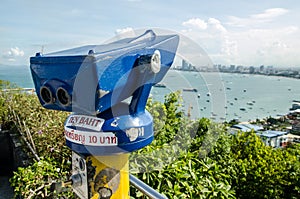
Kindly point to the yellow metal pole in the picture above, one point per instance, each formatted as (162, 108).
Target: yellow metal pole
(111, 177)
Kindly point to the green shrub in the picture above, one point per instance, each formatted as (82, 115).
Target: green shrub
(261, 171)
(187, 159)
(35, 181)
(172, 165)
(3, 101)
(43, 130)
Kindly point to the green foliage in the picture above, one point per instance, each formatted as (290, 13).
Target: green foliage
(187, 159)
(291, 175)
(168, 118)
(158, 112)
(261, 171)
(173, 164)
(4, 84)
(215, 164)
(43, 130)
(45, 126)
(35, 181)
(3, 108)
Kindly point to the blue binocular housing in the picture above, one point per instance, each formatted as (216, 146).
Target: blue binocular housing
(96, 80)
(93, 78)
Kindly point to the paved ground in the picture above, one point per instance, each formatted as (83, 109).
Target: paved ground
(6, 192)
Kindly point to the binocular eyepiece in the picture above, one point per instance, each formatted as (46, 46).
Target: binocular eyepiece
(62, 96)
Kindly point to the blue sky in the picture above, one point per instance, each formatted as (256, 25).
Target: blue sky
(257, 32)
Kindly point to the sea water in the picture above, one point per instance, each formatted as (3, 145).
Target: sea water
(219, 96)
(19, 75)
(227, 96)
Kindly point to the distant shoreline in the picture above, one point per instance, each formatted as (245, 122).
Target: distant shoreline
(295, 74)
(268, 75)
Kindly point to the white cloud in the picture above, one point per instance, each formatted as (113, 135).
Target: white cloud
(216, 24)
(211, 26)
(271, 13)
(267, 15)
(254, 44)
(16, 52)
(229, 47)
(123, 33)
(13, 53)
(272, 46)
(124, 30)
(290, 29)
(195, 23)
(211, 35)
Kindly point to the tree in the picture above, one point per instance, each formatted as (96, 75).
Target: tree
(261, 171)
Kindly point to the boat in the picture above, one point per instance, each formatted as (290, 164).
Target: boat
(190, 89)
(295, 105)
(242, 109)
(213, 114)
(160, 85)
(250, 103)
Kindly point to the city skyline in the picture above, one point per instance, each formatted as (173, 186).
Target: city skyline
(231, 32)
(293, 72)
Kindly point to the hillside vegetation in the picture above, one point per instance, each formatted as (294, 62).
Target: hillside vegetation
(187, 159)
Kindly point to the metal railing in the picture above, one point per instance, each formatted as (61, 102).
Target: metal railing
(144, 188)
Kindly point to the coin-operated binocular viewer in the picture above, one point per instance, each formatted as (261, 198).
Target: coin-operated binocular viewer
(106, 88)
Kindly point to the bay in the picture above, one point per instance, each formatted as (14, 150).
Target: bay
(235, 96)
(219, 96)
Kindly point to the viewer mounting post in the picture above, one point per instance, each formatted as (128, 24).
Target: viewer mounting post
(106, 88)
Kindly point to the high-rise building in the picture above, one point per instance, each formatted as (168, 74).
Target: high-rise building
(185, 65)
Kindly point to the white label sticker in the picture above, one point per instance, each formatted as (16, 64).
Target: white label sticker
(88, 122)
(91, 138)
